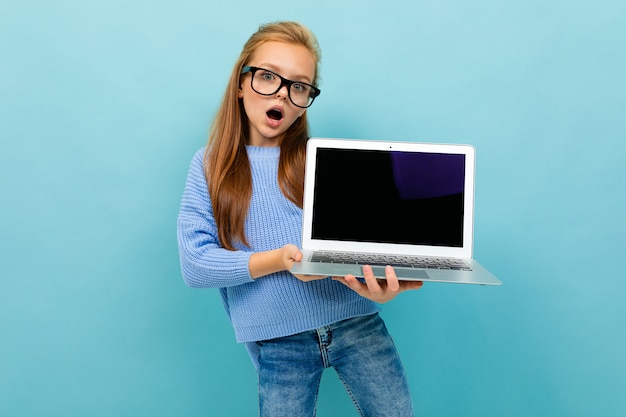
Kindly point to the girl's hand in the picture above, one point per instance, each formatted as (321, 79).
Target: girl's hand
(268, 262)
(281, 259)
(292, 254)
(289, 254)
(379, 290)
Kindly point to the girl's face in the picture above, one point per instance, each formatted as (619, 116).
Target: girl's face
(270, 116)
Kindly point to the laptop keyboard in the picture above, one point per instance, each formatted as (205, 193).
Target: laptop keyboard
(393, 260)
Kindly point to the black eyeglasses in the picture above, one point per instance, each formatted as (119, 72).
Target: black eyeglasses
(266, 83)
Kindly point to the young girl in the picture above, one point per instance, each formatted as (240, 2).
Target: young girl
(239, 230)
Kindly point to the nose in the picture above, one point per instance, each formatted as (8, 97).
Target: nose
(283, 91)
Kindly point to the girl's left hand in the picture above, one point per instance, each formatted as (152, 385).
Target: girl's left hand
(379, 290)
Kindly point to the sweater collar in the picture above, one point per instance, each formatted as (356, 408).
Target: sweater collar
(259, 152)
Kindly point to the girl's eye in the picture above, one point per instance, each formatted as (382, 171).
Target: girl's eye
(268, 76)
(300, 88)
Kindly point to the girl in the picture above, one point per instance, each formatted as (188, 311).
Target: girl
(239, 230)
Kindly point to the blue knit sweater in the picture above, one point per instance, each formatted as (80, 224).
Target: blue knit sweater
(272, 306)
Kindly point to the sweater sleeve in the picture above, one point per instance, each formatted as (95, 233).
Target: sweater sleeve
(204, 263)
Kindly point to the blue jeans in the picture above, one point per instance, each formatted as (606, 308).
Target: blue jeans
(361, 352)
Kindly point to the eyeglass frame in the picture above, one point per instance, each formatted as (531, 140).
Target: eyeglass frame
(283, 81)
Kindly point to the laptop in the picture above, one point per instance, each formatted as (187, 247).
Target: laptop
(405, 204)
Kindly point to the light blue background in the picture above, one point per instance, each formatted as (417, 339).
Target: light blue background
(102, 105)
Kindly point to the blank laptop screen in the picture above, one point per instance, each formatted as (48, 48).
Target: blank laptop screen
(413, 198)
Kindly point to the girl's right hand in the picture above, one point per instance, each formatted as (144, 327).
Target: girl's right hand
(291, 255)
(281, 259)
(268, 262)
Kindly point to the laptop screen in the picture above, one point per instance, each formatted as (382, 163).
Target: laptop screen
(399, 197)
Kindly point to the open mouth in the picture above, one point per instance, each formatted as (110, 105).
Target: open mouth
(275, 114)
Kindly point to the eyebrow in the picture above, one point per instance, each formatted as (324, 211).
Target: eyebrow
(273, 68)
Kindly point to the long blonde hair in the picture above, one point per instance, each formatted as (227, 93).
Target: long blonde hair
(226, 164)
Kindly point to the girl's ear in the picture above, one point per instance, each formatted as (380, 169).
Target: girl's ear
(240, 92)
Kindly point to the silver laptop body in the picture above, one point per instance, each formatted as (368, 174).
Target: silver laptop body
(405, 204)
